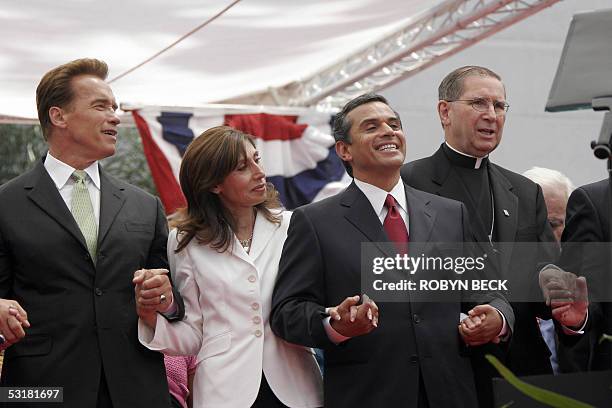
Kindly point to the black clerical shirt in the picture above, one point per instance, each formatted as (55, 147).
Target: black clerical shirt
(474, 175)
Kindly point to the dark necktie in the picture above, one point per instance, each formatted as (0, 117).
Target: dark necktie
(394, 226)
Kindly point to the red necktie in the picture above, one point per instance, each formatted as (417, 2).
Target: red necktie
(394, 226)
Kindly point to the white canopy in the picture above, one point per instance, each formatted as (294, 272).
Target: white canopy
(264, 43)
(256, 44)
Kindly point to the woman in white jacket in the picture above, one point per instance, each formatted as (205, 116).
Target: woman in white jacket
(224, 258)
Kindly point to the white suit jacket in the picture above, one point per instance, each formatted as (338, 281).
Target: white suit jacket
(227, 307)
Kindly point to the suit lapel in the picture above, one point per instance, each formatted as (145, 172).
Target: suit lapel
(43, 192)
(451, 186)
(506, 211)
(447, 181)
(440, 173)
(112, 198)
(360, 213)
(421, 217)
(263, 232)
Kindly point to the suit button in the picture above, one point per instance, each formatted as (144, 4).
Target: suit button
(255, 306)
(416, 318)
(414, 359)
(257, 320)
(98, 292)
(258, 333)
(86, 256)
(252, 278)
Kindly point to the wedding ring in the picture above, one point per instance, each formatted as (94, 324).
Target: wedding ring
(2, 339)
(162, 298)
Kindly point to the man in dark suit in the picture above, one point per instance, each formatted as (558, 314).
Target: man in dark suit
(586, 251)
(504, 207)
(393, 353)
(71, 237)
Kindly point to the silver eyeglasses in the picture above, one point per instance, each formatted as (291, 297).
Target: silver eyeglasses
(483, 104)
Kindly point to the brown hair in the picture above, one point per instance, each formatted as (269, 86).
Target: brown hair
(451, 87)
(55, 87)
(208, 160)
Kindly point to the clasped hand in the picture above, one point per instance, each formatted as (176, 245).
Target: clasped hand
(13, 320)
(482, 325)
(566, 294)
(351, 319)
(153, 293)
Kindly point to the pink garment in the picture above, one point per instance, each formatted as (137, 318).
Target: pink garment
(178, 369)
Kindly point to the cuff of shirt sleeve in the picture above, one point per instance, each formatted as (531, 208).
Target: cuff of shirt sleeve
(504, 333)
(172, 310)
(147, 335)
(573, 332)
(332, 334)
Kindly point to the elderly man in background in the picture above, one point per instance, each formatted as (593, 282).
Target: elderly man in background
(556, 188)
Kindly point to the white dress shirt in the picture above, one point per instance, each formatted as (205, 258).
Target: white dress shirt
(376, 196)
(61, 174)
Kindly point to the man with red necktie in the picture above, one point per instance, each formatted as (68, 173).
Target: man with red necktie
(385, 354)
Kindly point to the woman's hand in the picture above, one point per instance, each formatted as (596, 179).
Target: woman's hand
(153, 293)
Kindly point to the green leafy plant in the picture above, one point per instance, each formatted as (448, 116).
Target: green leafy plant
(542, 395)
(605, 337)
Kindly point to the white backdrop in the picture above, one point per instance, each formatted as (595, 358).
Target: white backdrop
(254, 45)
(268, 42)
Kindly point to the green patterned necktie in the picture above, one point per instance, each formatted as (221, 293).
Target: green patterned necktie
(83, 213)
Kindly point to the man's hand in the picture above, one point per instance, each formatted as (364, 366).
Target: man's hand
(482, 326)
(571, 310)
(153, 293)
(13, 320)
(350, 319)
(566, 294)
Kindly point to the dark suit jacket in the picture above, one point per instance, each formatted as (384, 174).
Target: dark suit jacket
(83, 315)
(526, 221)
(586, 251)
(321, 266)
(520, 216)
